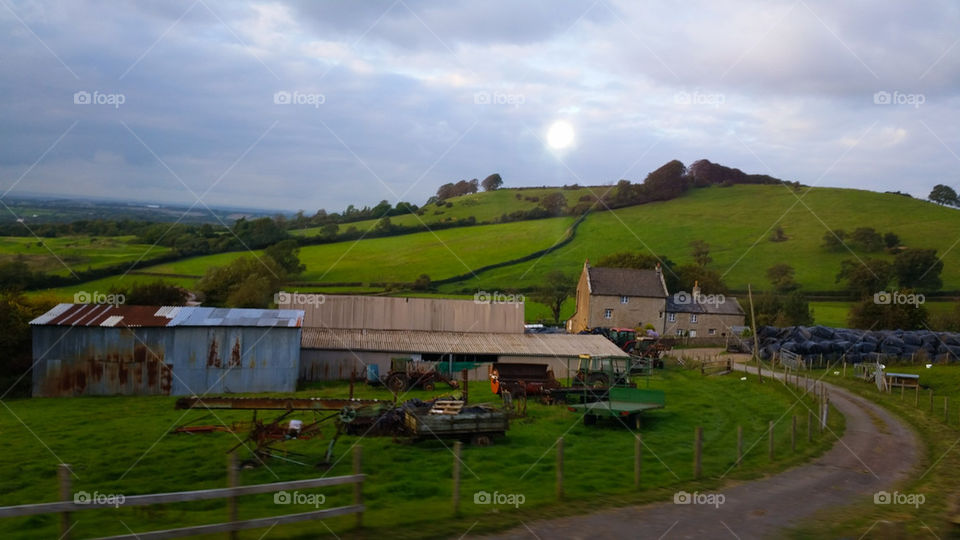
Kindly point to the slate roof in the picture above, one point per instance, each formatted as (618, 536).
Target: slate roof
(729, 306)
(626, 282)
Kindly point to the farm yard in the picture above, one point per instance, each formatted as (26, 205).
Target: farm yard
(122, 445)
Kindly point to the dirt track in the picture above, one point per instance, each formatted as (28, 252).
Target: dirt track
(876, 451)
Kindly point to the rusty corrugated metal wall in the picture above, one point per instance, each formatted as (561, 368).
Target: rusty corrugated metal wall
(391, 313)
(73, 361)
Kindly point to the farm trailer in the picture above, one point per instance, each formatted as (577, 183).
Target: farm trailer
(623, 403)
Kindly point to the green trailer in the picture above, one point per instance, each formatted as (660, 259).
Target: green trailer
(624, 403)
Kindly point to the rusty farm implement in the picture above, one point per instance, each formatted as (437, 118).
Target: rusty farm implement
(269, 436)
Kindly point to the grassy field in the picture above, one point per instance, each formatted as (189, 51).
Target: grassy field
(935, 478)
(835, 313)
(440, 254)
(61, 255)
(485, 207)
(120, 445)
(736, 222)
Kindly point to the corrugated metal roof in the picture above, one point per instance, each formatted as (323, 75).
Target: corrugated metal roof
(156, 316)
(413, 341)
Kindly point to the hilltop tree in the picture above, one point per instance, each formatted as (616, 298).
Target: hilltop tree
(554, 203)
(891, 240)
(492, 182)
(701, 252)
(867, 239)
(918, 269)
(667, 182)
(865, 277)
(287, 255)
(709, 280)
(643, 261)
(245, 282)
(944, 195)
(781, 277)
(833, 240)
(556, 287)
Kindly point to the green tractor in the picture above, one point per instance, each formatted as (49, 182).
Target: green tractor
(603, 372)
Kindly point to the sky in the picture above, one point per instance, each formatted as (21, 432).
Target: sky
(300, 105)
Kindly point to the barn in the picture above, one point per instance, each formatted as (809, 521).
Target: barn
(343, 334)
(97, 349)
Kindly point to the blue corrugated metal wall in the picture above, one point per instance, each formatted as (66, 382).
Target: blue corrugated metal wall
(71, 361)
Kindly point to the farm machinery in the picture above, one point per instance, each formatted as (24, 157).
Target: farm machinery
(602, 372)
(646, 351)
(522, 379)
(405, 373)
(269, 436)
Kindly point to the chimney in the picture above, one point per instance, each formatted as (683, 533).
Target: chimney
(658, 268)
(696, 291)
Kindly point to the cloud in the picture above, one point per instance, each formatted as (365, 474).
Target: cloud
(415, 94)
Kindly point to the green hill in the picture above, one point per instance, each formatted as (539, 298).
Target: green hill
(485, 207)
(736, 222)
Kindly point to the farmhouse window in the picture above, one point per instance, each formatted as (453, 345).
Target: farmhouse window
(608, 314)
(679, 331)
(712, 331)
(624, 299)
(693, 317)
(672, 317)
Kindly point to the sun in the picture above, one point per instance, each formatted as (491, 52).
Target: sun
(560, 135)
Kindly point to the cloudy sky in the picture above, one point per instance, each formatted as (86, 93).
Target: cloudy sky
(308, 104)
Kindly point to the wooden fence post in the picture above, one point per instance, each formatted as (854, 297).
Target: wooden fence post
(637, 460)
(456, 477)
(232, 501)
(809, 426)
(358, 487)
(63, 474)
(770, 437)
(560, 468)
(739, 445)
(465, 385)
(793, 434)
(697, 448)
